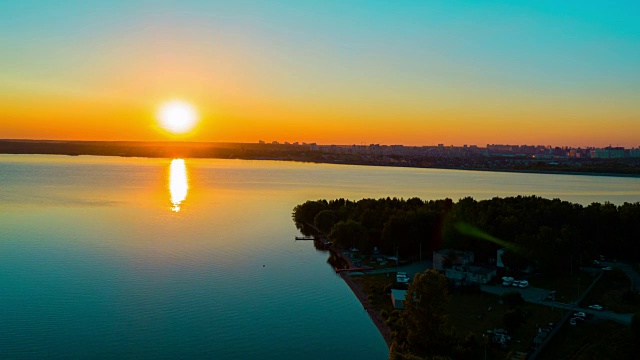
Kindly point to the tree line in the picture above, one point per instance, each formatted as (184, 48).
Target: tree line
(547, 234)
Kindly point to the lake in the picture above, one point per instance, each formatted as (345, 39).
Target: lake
(170, 258)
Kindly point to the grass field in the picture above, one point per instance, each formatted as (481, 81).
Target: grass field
(469, 312)
(375, 286)
(568, 288)
(613, 291)
(589, 340)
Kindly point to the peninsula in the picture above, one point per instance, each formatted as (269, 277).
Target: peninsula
(518, 274)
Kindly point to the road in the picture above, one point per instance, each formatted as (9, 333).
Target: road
(536, 296)
(531, 294)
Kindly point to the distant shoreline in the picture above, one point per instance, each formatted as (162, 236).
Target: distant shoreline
(241, 151)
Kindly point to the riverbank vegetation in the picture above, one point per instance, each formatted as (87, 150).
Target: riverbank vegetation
(614, 292)
(467, 313)
(605, 340)
(551, 236)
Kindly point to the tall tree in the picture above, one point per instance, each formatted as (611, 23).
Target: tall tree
(424, 326)
(350, 233)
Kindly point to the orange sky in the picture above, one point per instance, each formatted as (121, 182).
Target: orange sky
(413, 75)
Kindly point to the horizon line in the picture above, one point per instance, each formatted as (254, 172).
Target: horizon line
(300, 143)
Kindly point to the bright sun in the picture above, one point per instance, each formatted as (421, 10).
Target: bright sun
(177, 116)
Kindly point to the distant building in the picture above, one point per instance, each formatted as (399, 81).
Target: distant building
(499, 257)
(608, 153)
(470, 274)
(451, 257)
(397, 298)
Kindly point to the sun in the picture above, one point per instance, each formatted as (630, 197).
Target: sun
(177, 117)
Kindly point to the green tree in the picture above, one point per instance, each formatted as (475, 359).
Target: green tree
(304, 215)
(349, 233)
(325, 220)
(424, 326)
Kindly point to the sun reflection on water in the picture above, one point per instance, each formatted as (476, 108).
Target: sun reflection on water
(178, 184)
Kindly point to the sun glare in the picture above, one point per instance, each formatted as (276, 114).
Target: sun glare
(177, 116)
(178, 183)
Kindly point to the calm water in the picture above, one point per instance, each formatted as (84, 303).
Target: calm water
(154, 258)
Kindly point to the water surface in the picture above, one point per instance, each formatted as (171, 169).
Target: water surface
(160, 258)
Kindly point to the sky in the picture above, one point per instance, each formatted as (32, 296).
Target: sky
(332, 72)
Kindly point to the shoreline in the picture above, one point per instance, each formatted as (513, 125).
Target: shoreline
(374, 315)
(515, 171)
(293, 153)
(360, 294)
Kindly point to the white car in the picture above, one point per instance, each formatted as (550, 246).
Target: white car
(515, 283)
(580, 314)
(595, 307)
(523, 284)
(402, 278)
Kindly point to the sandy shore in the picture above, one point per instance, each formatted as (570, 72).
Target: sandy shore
(373, 313)
(362, 296)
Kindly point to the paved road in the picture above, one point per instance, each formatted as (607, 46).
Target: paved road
(530, 294)
(536, 296)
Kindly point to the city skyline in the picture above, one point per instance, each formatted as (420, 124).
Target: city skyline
(415, 74)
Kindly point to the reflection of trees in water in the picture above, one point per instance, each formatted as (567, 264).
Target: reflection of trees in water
(305, 229)
(336, 261)
(320, 246)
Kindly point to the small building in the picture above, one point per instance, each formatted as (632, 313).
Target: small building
(397, 298)
(499, 258)
(449, 257)
(470, 274)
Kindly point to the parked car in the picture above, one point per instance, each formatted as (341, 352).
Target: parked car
(573, 321)
(595, 307)
(515, 283)
(523, 283)
(607, 268)
(579, 314)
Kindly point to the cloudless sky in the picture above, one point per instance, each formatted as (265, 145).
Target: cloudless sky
(390, 72)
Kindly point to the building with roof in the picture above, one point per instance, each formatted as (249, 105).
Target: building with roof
(470, 274)
(448, 257)
(397, 298)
